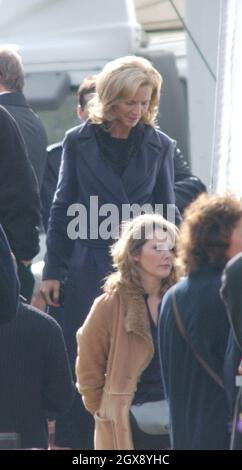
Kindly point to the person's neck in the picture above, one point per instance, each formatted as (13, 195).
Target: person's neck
(3, 90)
(119, 131)
(151, 287)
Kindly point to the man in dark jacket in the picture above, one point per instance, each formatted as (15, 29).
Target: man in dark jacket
(7, 277)
(231, 293)
(52, 166)
(19, 200)
(13, 99)
(34, 369)
(187, 186)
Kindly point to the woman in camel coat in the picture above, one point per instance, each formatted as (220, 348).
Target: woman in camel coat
(117, 363)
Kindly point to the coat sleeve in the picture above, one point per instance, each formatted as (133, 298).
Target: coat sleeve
(9, 286)
(59, 245)
(19, 194)
(187, 186)
(164, 188)
(231, 363)
(58, 387)
(93, 340)
(49, 181)
(162, 346)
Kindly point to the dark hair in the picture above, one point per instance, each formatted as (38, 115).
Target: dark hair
(87, 87)
(206, 231)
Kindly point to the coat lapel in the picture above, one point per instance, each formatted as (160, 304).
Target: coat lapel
(102, 171)
(138, 172)
(14, 99)
(142, 165)
(136, 319)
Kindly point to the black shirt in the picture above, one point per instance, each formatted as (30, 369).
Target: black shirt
(149, 387)
(118, 152)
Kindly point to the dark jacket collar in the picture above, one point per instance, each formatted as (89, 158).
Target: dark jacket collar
(14, 99)
(86, 131)
(206, 269)
(135, 176)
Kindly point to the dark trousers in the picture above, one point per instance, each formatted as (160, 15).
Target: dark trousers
(26, 279)
(144, 441)
(75, 428)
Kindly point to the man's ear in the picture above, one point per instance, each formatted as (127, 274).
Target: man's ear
(81, 114)
(79, 111)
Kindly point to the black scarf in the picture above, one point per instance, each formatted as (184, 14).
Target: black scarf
(118, 152)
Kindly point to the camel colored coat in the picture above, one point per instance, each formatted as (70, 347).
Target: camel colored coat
(114, 347)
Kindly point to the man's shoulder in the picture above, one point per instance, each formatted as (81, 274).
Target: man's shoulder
(28, 121)
(34, 316)
(5, 116)
(74, 131)
(84, 130)
(54, 152)
(53, 147)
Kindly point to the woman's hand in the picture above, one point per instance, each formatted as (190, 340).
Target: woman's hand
(50, 291)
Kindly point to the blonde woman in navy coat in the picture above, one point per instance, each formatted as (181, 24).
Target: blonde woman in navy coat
(116, 159)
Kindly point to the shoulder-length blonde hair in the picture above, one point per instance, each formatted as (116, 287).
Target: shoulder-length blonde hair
(206, 231)
(120, 80)
(134, 235)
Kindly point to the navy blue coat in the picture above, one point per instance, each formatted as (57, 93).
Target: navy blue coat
(49, 181)
(148, 178)
(19, 196)
(231, 293)
(34, 369)
(31, 127)
(187, 186)
(198, 405)
(9, 284)
(35, 375)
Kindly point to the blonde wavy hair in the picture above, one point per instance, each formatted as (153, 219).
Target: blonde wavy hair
(134, 235)
(206, 231)
(120, 80)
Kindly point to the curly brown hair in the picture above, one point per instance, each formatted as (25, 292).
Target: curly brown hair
(206, 231)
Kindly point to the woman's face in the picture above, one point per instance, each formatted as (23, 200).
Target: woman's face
(129, 112)
(235, 245)
(155, 259)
